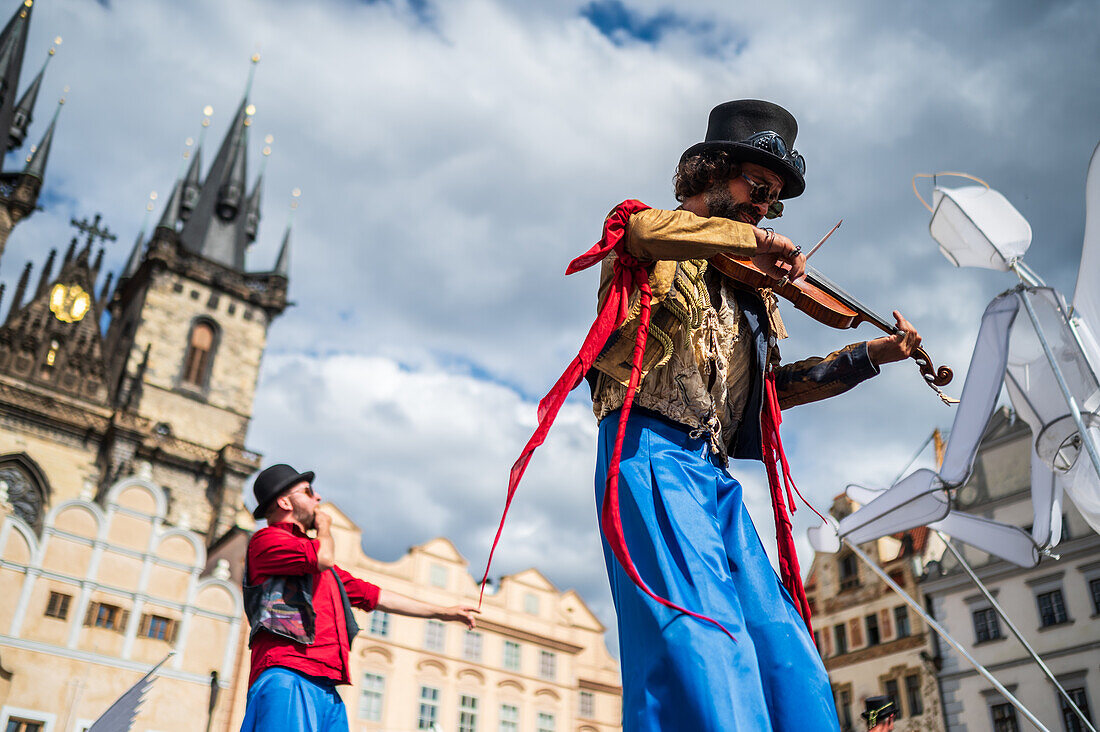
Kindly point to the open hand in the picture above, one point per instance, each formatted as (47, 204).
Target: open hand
(897, 347)
(460, 613)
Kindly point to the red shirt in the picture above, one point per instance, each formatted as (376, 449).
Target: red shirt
(284, 549)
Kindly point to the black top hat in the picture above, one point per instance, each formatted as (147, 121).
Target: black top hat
(272, 481)
(878, 708)
(757, 132)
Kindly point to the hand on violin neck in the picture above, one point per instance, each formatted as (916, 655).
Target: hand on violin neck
(777, 256)
(897, 347)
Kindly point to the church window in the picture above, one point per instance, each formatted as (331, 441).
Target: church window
(177, 287)
(200, 354)
(212, 301)
(23, 486)
(231, 308)
(58, 605)
(248, 314)
(194, 294)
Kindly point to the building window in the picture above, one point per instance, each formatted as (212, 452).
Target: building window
(200, 354)
(1004, 718)
(1052, 608)
(531, 603)
(58, 606)
(428, 713)
(986, 625)
(467, 713)
(901, 621)
(588, 705)
(873, 638)
(380, 623)
(548, 665)
(509, 718)
(912, 695)
(437, 575)
(511, 655)
(545, 722)
(471, 645)
(843, 700)
(434, 635)
(102, 615)
(1070, 719)
(370, 699)
(1094, 592)
(849, 572)
(18, 724)
(157, 627)
(890, 689)
(840, 635)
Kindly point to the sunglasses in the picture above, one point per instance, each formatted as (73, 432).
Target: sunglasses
(308, 490)
(761, 193)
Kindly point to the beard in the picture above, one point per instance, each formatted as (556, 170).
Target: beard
(719, 202)
(305, 518)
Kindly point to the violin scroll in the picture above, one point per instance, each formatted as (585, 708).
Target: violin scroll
(936, 377)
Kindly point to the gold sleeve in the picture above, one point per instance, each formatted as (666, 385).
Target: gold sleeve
(655, 234)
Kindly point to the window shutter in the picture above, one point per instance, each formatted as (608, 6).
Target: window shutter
(123, 620)
(173, 631)
(89, 617)
(143, 629)
(886, 624)
(855, 631)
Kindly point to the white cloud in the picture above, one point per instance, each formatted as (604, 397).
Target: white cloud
(451, 169)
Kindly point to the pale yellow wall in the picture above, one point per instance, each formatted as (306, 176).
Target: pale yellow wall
(126, 556)
(66, 466)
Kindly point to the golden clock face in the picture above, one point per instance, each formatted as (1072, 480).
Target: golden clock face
(69, 303)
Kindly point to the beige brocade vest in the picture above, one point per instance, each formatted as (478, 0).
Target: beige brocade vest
(697, 369)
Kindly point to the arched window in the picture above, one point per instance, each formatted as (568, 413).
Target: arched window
(24, 487)
(200, 354)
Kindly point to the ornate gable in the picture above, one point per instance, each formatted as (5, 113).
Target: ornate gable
(54, 340)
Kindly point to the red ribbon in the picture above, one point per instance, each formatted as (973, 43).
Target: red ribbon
(628, 274)
(775, 459)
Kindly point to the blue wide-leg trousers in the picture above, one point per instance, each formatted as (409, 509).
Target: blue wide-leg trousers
(693, 543)
(283, 700)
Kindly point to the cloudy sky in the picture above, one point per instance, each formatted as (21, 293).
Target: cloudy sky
(454, 156)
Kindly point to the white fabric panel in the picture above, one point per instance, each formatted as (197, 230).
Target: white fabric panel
(1001, 540)
(1046, 503)
(983, 385)
(916, 500)
(1039, 400)
(977, 227)
(823, 537)
(862, 494)
(1086, 297)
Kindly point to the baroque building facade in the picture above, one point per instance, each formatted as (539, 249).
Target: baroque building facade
(1055, 605)
(871, 642)
(537, 661)
(123, 452)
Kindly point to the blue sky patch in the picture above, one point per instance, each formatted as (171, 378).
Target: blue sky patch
(623, 25)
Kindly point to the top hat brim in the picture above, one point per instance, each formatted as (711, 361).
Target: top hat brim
(261, 509)
(793, 181)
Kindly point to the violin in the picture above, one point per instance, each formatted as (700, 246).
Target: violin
(825, 302)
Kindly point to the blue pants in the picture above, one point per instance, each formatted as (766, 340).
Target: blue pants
(283, 700)
(693, 543)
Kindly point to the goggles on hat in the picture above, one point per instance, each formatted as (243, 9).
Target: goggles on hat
(771, 142)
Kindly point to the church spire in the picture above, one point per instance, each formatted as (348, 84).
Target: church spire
(13, 45)
(171, 215)
(36, 161)
(20, 289)
(23, 114)
(282, 264)
(192, 185)
(216, 227)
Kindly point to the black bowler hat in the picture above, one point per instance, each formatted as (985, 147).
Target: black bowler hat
(878, 708)
(757, 132)
(271, 482)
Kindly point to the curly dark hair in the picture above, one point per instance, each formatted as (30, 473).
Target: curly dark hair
(699, 172)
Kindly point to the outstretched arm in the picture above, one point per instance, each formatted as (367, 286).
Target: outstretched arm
(394, 602)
